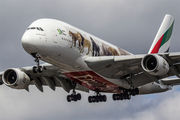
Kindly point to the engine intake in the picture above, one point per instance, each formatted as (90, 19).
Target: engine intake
(15, 78)
(155, 65)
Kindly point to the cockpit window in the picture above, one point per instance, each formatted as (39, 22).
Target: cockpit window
(41, 29)
(37, 28)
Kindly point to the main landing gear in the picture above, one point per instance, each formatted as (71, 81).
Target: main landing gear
(97, 98)
(126, 95)
(37, 68)
(74, 97)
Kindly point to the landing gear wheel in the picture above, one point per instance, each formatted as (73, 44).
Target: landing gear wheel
(114, 97)
(100, 98)
(90, 99)
(97, 98)
(136, 91)
(78, 96)
(129, 97)
(35, 69)
(121, 96)
(74, 97)
(104, 98)
(40, 69)
(69, 98)
(118, 96)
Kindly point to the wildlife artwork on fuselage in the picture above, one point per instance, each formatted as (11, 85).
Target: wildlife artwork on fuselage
(93, 46)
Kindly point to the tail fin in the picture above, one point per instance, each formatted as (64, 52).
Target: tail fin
(162, 40)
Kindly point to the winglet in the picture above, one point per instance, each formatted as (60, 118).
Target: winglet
(162, 40)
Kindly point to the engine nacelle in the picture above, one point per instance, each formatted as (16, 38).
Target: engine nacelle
(155, 65)
(15, 78)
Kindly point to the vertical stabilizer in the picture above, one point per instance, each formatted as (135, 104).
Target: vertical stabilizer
(162, 40)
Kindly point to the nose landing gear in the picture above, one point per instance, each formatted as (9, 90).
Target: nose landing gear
(37, 68)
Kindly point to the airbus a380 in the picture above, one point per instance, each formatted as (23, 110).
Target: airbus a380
(76, 60)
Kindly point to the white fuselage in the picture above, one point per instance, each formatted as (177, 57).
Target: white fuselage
(65, 46)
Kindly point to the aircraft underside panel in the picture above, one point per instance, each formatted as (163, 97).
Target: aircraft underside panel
(93, 81)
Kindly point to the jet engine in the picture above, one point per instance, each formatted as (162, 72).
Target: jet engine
(155, 65)
(15, 78)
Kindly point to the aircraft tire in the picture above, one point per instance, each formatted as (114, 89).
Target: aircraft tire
(74, 98)
(69, 98)
(114, 97)
(40, 69)
(97, 98)
(104, 98)
(90, 99)
(78, 96)
(35, 69)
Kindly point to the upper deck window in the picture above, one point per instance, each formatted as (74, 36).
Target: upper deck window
(37, 28)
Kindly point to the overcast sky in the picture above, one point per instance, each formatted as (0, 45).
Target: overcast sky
(129, 24)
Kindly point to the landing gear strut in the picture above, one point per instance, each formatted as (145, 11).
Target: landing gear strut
(97, 98)
(74, 97)
(37, 68)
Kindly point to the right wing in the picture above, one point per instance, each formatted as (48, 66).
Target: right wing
(116, 67)
(51, 76)
(171, 81)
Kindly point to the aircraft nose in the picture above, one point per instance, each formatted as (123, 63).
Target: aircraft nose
(28, 41)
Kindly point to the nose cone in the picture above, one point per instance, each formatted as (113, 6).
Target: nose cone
(28, 41)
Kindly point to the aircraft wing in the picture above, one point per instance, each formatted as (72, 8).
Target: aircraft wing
(51, 76)
(171, 81)
(119, 67)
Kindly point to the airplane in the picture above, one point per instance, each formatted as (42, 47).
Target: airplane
(76, 60)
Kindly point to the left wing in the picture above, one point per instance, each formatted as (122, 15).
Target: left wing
(51, 76)
(137, 66)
